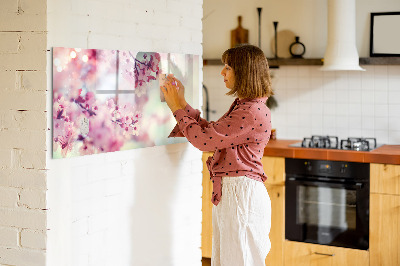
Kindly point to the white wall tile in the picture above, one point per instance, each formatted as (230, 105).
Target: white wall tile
(342, 122)
(328, 74)
(291, 71)
(367, 83)
(292, 82)
(382, 136)
(354, 80)
(367, 99)
(394, 136)
(368, 122)
(304, 82)
(355, 109)
(316, 83)
(342, 80)
(315, 72)
(394, 123)
(381, 110)
(394, 97)
(367, 96)
(367, 110)
(381, 97)
(329, 109)
(380, 84)
(394, 82)
(342, 133)
(394, 110)
(342, 96)
(304, 72)
(329, 122)
(355, 96)
(355, 132)
(380, 71)
(381, 123)
(367, 133)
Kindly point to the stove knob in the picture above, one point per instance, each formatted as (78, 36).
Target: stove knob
(308, 166)
(343, 168)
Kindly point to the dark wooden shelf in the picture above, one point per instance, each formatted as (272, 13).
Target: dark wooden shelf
(295, 62)
(273, 63)
(380, 61)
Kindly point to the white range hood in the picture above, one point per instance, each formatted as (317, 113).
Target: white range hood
(341, 51)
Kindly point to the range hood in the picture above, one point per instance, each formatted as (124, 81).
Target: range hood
(341, 51)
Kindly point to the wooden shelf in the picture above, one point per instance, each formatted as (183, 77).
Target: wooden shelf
(380, 61)
(274, 63)
(295, 62)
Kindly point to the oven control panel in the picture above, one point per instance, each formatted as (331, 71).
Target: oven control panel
(338, 169)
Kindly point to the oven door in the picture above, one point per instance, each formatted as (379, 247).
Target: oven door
(327, 213)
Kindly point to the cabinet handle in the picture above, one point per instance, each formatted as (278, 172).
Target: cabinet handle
(317, 253)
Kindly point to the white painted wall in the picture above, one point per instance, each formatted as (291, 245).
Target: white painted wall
(305, 18)
(23, 133)
(311, 102)
(137, 207)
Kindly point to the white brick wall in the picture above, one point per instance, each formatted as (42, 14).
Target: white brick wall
(137, 207)
(22, 132)
(33, 239)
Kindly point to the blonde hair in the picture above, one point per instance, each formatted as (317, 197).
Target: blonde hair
(250, 66)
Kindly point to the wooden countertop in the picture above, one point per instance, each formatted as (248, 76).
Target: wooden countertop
(389, 154)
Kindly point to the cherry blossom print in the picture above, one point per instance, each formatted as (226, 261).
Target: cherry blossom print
(108, 100)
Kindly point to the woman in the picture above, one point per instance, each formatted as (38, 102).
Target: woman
(241, 214)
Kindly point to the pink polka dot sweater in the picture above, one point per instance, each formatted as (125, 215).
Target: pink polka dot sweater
(238, 139)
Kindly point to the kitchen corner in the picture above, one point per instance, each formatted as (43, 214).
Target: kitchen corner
(382, 213)
(333, 202)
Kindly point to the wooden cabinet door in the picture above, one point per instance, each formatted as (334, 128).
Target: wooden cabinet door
(274, 168)
(384, 236)
(305, 254)
(385, 178)
(277, 233)
(206, 232)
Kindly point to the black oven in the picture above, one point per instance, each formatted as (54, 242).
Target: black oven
(327, 202)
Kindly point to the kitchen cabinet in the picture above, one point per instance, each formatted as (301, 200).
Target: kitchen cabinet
(206, 225)
(385, 178)
(274, 168)
(306, 254)
(384, 247)
(385, 214)
(277, 233)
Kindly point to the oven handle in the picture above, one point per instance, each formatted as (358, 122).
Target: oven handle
(357, 185)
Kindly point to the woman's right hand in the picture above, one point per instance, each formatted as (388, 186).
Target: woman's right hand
(181, 91)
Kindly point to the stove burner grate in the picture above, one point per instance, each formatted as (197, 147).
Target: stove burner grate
(328, 142)
(358, 144)
(332, 142)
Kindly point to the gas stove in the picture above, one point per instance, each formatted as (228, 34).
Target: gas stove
(332, 142)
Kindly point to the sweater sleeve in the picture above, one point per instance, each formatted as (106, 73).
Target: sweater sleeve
(231, 130)
(193, 113)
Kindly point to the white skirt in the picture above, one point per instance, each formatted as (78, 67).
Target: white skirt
(241, 223)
